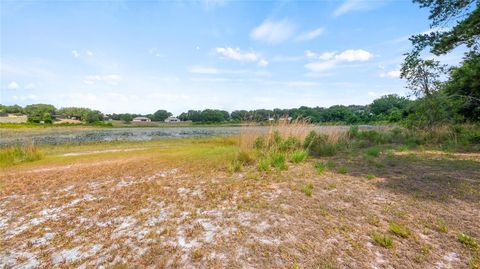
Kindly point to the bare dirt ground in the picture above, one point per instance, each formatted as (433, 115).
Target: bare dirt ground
(138, 211)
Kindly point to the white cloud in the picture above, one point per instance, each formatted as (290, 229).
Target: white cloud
(13, 86)
(75, 53)
(111, 79)
(310, 34)
(354, 55)
(323, 56)
(328, 60)
(89, 53)
(273, 32)
(355, 5)
(390, 74)
(237, 55)
(263, 63)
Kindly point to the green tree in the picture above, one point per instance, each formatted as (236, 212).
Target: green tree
(38, 112)
(464, 87)
(385, 104)
(161, 115)
(127, 118)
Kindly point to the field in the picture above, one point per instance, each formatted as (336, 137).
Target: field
(185, 203)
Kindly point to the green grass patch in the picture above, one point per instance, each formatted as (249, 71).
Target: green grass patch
(442, 226)
(399, 230)
(342, 169)
(19, 154)
(373, 151)
(307, 189)
(277, 161)
(298, 156)
(320, 167)
(370, 176)
(383, 240)
(468, 241)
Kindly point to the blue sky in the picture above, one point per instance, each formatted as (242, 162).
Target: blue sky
(140, 56)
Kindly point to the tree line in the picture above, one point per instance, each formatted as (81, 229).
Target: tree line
(390, 108)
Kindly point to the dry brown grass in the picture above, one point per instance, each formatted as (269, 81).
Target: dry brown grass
(298, 129)
(162, 209)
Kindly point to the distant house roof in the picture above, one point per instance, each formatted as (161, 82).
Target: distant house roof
(141, 119)
(172, 119)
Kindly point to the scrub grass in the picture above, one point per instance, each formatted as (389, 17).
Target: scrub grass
(19, 154)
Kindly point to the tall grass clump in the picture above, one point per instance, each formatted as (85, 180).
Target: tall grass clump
(19, 154)
(325, 144)
(282, 141)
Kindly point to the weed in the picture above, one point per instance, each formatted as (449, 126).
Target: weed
(307, 189)
(331, 186)
(245, 157)
(298, 156)
(373, 151)
(468, 241)
(330, 164)
(442, 226)
(236, 166)
(370, 176)
(383, 240)
(320, 167)
(277, 160)
(342, 170)
(373, 220)
(264, 165)
(399, 229)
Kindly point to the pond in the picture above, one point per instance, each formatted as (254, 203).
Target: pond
(56, 136)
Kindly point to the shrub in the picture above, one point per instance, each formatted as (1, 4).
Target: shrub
(320, 146)
(353, 132)
(399, 230)
(277, 160)
(299, 156)
(289, 144)
(383, 240)
(370, 176)
(19, 154)
(307, 189)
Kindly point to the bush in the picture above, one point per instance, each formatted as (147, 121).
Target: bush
(320, 146)
(299, 156)
(19, 154)
(289, 144)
